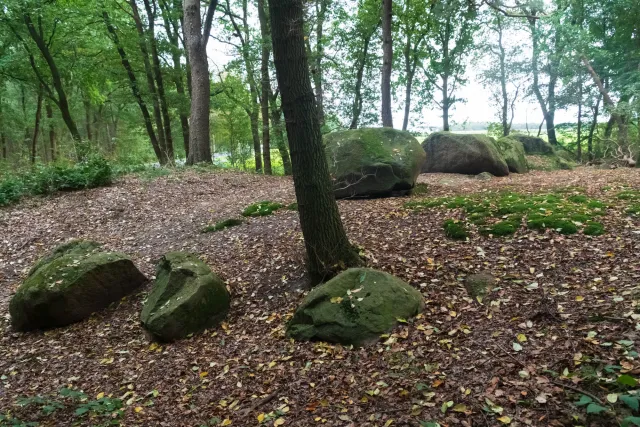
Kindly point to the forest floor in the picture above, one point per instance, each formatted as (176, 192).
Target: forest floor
(562, 322)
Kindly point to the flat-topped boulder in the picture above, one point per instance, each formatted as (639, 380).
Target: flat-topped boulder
(373, 162)
(533, 144)
(70, 283)
(187, 297)
(355, 307)
(467, 154)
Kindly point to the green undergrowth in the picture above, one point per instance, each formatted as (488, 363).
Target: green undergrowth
(221, 225)
(49, 179)
(292, 206)
(263, 208)
(455, 229)
(503, 214)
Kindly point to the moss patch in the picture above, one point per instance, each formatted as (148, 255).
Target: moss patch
(263, 208)
(455, 229)
(503, 214)
(221, 225)
(292, 206)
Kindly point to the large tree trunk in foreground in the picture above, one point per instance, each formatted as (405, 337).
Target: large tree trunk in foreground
(387, 62)
(199, 140)
(328, 248)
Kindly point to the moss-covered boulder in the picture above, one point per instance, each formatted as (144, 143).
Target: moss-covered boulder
(479, 284)
(463, 153)
(187, 297)
(73, 281)
(549, 162)
(355, 307)
(533, 144)
(373, 161)
(513, 153)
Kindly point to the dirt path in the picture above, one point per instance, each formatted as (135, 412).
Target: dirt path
(459, 351)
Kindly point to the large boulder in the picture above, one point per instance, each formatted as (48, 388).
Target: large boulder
(187, 297)
(513, 153)
(373, 161)
(533, 144)
(355, 307)
(70, 283)
(463, 153)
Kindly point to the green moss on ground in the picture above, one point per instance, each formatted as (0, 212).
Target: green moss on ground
(503, 214)
(292, 206)
(634, 210)
(221, 225)
(263, 208)
(455, 230)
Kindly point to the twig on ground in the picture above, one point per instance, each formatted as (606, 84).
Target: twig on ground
(577, 390)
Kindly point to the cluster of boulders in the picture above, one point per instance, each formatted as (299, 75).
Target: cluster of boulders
(374, 162)
(80, 278)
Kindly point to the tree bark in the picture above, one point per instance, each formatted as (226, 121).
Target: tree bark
(265, 84)
(3, 136)
(387, 63)
(356, 110)
(327, 245)
(548, 113)
(133, 84)
(592, 128)
(196, 40)
(61, 101)
(579, 143)
(506, 125)
(321, 12)
(276, 124)
(445, 103)
(36, 126)
(52, 131)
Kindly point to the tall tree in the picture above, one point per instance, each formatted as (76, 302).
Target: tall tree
(265, 84)
(326, 242)
(36, 126)
(196, 37)
(387, 63)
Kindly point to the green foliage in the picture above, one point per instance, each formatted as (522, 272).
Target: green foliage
(221, 225)
(292, 206)
(501, 214)
(44, 179)
(455, 229)
(263, 208)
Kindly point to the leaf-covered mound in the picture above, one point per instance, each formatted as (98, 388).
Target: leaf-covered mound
(355, 307)
(372, 161)
(73, 281)
(187, 297)
(502, 214)
(464, 154)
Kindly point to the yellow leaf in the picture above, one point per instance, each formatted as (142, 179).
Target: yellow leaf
(261, 417)
(579, 298)
(99, 396)
(388, 423)
(460, 408)
(522, 337)
(153, 346)
(278, 422)
(272, 364)
(505, 419)
(138, 409)
(336, 300)
(226, 422)
(204, 374)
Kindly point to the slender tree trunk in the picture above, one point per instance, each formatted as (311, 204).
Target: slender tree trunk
(3, 136)
(548, 113)
(506, 125)
(61, 101)
(157, 73)
(592, 128)
(255, 134)
(52, 131)
(265, 84)
(36, 126)
(410, 63)
(387, 63)
(87, 117)
(321, 12)
(445, 103)
(327, 245)
(279, 135)
(133, 84)
(579, 143)
(356, 110)
(195, 38)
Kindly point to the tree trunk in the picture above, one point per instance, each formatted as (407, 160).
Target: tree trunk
(255, 134)
(279, 135)
(548, 113)
(61, 101)
(133, 84)
(52, 131)
(506, 125)
(327, 245)
(321, 11)
(36, 126)
(265, 84)
(87, 117)
(356, 110)
(409, 69)
(387, 63)
(445, 103)
(199, 139)
(579, 144)
(157, 73)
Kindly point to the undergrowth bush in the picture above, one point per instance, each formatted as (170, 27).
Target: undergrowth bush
(48, 179)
